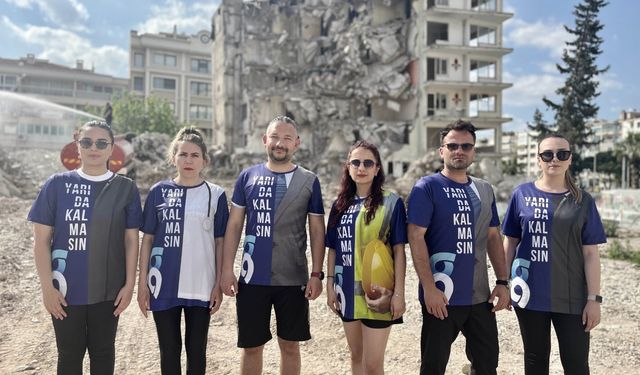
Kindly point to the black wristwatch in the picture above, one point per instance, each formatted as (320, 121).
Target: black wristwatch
(594, 297)
(319, 275)
(502, 282)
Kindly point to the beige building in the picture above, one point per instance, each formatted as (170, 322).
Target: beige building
(175, 67)
(38, 98)
(459, 52)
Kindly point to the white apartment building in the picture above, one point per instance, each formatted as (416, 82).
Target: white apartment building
(459, 51)
(38, 124)
(629, 122)
(527, 152)
(177, 68)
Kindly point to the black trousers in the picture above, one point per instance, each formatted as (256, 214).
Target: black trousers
(170, 339)
(476, 322)
(91, 327)
(573, 341)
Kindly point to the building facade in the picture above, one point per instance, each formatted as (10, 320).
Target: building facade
(177, 68)
(459, 52)
(41, 101)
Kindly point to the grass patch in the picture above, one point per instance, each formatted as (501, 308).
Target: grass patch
(622, 251)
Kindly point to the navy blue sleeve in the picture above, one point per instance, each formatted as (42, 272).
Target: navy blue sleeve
(398, 233)
(495, 219)
(332, 235)
(221, 217)
(134, 210)
(511, 225)
(43, 210)
(238, 196)
(316, 206)
(150, 216)
(420, 205)
(593, 230)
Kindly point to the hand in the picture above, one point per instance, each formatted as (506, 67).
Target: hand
(216, 299)
(314, 288)
(123, 299)
(332, 299)
(502, 292)
(382, 303)
(143, 297)
(591, 315)
(53, 302)
(229, 283)
(398, 306)
(436, 303)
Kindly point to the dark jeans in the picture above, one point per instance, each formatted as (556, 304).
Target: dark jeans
(170, 339)
(476, 322)
(91, 327)
(573, 341)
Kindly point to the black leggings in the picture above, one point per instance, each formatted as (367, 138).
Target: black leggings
(170, 339)
(573, 341)
(91, 327)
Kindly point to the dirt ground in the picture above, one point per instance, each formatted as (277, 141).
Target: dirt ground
(27, 344)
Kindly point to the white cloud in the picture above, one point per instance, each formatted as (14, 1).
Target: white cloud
(65, 47)
(550, 36)
(608, 82)
(529, 89)
(69, 14)
(188, 18)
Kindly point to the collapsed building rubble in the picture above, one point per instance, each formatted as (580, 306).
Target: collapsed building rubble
(340, 69)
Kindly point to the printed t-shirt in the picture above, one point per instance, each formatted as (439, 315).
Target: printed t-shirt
(547, 273)
(350, 237)
(260, 192)
(87, 249)
(450, 212)
(184, 220)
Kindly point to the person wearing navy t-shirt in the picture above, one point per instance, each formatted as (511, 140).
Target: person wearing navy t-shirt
(277, 198)
(181, 254)
(453, 225)
(552, 230)
(85, 225)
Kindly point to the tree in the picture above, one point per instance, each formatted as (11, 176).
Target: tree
(511, 167)
(580, 88)
(132, 113)
(629, 149)
(539, 126)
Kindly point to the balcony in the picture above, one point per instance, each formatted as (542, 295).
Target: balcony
(444, 11)
(483, 50)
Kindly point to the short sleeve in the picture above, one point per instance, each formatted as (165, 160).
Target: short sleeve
(398, 233)
(149, 214)
(221, 217)
(511, 225)
(593, 230)
(43, 210)
(420, 205)
(239, 198)
(331, 237)
(495, 219)
(134, 209)
(316, 206)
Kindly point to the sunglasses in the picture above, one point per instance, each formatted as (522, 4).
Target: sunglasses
(456, 146)
(101, 144)
(368, 163)
(562, 155)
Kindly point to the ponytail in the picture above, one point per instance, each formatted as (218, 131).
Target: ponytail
(573, 188)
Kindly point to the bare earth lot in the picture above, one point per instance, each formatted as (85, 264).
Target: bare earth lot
(27, 344)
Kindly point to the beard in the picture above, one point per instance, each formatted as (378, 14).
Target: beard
(286, 157)
(460, 164)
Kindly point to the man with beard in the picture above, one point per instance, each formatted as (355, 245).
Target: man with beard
(277, 197)
(453, 225)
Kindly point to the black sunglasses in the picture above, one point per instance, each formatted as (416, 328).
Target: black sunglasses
(456, 146)
(368, 163)
(562, 155)
(101, 144)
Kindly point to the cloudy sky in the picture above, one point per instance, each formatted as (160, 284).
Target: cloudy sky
(97, 32)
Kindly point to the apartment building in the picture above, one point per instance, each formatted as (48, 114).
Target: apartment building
(41, 122)
(459, 51)
(175, 67)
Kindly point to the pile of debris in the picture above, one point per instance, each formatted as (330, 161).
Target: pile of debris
(22, 172)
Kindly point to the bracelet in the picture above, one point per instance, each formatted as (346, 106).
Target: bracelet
(329, 276)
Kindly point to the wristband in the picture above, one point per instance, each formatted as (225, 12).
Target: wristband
(594, 297)
(329, 276)
(502, 282)
(319, 275)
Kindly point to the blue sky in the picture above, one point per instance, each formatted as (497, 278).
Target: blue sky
(97, 32)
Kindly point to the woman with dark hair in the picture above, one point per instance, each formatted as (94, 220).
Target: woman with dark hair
(85, 225)
(552, 230)
(366, 262)
(180, 258)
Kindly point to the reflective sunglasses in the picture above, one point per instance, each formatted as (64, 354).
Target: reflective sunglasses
(101, 144)
(368, 163)
(456, 146)
(562, 155)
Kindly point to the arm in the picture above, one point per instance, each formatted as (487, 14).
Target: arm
(435, 300)
(591, 312)
(143, 289)
(216, 293)
(497, 258)
(332, 301)
(131, 243)
(228, 280)
(398, 306)
(51, 297)
(316, 238)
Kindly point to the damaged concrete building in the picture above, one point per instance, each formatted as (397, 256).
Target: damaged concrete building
(347, 70)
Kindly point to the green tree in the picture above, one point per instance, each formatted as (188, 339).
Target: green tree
(511, 167)
(539, 126)
(132, 113)
(580, 88)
